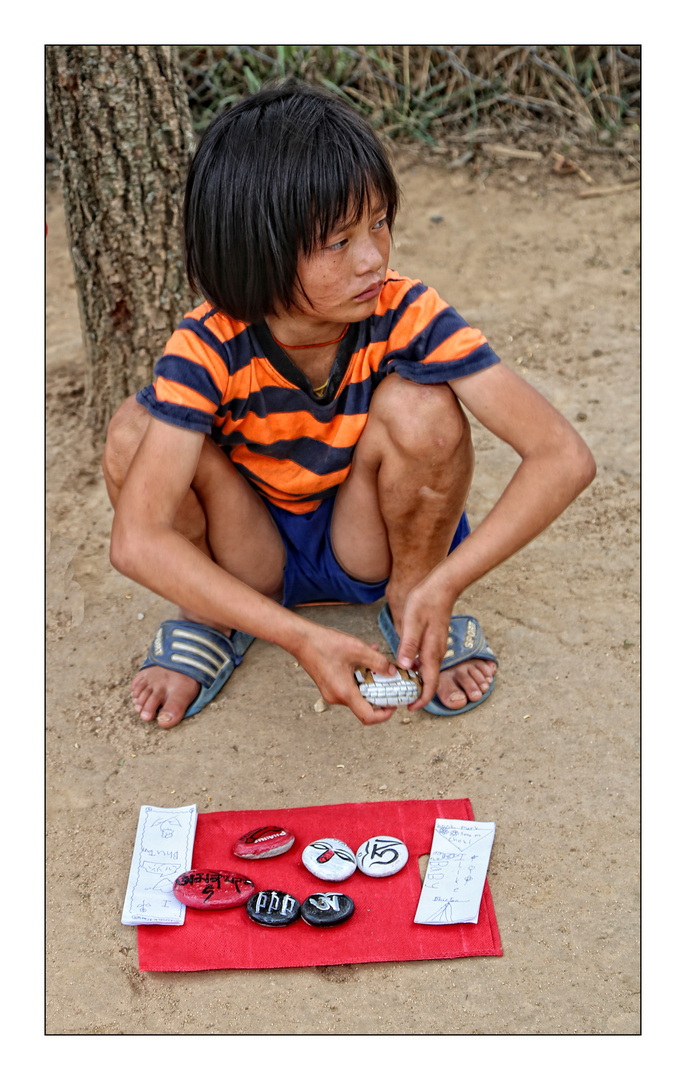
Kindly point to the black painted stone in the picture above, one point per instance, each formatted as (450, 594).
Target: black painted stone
(327, 909)
(270, 907)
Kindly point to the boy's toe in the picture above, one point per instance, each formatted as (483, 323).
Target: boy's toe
(141, 697)
(173, 712)
(456, 700)
(449, 691)
(148, 708)
(140, 682)
(471, 684)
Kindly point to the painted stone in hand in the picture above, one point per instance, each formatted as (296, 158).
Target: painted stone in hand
(389, 690)
(270, 907)
(327, 909)
(329, 859)
(213, 890)
(381, 856)
(264, 843)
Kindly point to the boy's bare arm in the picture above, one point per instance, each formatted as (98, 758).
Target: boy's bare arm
(146, 548)
(556, 465)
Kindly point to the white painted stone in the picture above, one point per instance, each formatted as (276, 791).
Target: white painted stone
(381, 856)
(329, 859)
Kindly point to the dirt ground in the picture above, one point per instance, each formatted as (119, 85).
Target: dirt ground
(552, 278)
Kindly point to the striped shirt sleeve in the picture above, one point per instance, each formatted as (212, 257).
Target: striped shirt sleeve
(191, 377)
(429, 342)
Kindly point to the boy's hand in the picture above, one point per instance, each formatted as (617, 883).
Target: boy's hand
(330, 658)
(423, 636)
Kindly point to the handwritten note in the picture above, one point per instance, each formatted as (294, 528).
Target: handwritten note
(456, 872)
(163, 849)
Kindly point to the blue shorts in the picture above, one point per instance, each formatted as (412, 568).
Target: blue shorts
(312, 574)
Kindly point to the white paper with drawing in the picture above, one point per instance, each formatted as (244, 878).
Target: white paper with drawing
(456, 872)
(163, 849)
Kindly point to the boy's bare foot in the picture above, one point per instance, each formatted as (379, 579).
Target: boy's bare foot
(162, 693)
(159, 692)
(465, 682)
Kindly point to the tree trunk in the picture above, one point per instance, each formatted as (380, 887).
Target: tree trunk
(121, 125)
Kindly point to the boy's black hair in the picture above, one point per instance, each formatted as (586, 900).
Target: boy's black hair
(271, 178)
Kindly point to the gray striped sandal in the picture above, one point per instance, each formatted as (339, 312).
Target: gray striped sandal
(200, 651)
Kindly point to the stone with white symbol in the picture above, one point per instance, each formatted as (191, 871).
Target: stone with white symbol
(381, 856)
(329, 859)
(327, 909)
(384, 691)
(271, 907)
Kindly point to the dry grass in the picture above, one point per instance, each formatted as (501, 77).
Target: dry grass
(446, 96)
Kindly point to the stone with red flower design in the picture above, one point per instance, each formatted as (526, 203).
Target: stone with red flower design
(329, 859)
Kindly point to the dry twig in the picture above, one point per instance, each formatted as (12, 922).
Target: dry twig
(566, 165)
(511, 151)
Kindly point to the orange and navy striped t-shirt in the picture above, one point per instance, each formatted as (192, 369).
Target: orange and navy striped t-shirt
(231, 380)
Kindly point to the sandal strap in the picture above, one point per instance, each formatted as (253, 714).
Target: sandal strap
(199, 651)
(466, 641)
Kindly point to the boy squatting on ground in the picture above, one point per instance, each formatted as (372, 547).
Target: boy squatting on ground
(305, 438)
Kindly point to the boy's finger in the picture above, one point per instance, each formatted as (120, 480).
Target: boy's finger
(429, 674)
(377, 662)
(368, 714)
(364, 711)
(408, 649)
(376, 716)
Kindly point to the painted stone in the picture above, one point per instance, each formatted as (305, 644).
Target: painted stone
(270, 907)
(329, 859)
(213, 890)
(264, 843)
(389, 690)
(381, 856)
(327, 909)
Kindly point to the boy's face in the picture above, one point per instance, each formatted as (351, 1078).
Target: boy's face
(342, 279)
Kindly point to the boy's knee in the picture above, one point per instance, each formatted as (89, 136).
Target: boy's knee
(124, 434)
(424, 420)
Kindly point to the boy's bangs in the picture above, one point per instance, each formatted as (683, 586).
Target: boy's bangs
(343, 193)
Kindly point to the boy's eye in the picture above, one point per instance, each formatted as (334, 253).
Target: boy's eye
(338, 245)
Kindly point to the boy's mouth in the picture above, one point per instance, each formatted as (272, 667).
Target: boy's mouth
(371, 292)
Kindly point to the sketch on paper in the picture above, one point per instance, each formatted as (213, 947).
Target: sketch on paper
(456, 872)
(163, 849)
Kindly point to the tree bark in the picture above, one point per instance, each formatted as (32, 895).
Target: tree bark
(121, 125)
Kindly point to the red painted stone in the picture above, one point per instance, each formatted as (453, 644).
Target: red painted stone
(212, 890)
(264, 843)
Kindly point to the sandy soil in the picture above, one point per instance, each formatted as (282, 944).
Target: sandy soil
(553, 280)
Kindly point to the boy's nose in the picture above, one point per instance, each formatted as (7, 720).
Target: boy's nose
(370, 258)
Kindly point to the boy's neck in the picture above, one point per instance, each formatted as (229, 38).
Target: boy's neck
(302, 333)
(322, 341)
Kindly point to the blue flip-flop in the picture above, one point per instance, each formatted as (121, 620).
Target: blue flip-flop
(200, 651)
(466, 641)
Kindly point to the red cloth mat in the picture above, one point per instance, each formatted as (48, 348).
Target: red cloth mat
(382, 927)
